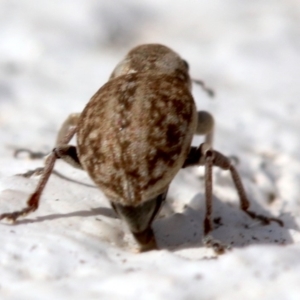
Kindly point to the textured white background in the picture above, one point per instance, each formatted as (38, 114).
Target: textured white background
(55, 54)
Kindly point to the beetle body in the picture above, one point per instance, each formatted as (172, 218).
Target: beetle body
(135, 134)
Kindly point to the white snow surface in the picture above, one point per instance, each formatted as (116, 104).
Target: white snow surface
(54, 55)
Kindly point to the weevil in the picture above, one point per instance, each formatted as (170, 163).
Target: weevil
(134, 136)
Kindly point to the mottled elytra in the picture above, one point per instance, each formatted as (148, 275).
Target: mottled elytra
(134, 136)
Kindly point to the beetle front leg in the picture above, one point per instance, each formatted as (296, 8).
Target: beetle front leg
(33, 201)
(204, 155)
(71, 121)
(224, 163)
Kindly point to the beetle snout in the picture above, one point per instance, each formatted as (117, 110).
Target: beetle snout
(139, 219)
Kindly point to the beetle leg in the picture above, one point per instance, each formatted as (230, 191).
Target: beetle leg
(223, 162)
(205, 126)
(33, 201)
(66, 152)
(69, 154)
(71, 121)
(204, 155)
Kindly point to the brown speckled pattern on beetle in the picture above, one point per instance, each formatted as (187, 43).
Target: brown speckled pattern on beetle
(135, 133)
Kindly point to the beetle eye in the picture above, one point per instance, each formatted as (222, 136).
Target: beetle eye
(186, 64)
